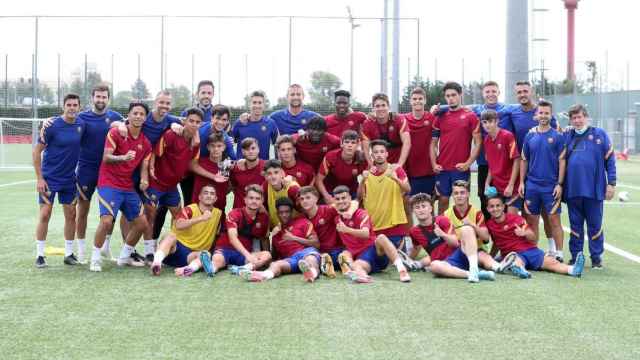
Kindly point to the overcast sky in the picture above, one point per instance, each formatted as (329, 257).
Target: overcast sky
(450, 31)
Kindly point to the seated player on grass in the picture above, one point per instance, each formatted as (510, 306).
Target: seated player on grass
(245, 229)
(365, 252)
(195, 229)
(512, 235)
(296, 245)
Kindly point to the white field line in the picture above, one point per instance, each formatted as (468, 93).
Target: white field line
(625, 254)
(17, 183)
(628, 186)
(620, 203)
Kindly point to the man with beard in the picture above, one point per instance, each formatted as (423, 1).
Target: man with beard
(315, 143)
(122, 155)
(55, 157)
(257, 126)
(344, 118)
(204, 95)
(294, 118)
(387, 126)
(299, 170)
(542, 171)
(341, 167)
(246, 171)
(451, 149)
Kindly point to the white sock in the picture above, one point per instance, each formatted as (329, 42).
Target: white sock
(106, 244)
(81, 246)
(159, 256)
(149, 247)
(40, 247)
(419, 264)
(399, 265)
(314, 272)
(473, 262)
(68, 247)
(495, 266)
(268, 274)
(126, 251)
(194, 266)
(552, 246)
(559, 254)
(95, 254)
(248, 266)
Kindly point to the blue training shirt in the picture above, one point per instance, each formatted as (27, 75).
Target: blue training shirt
(521, 121)
(62, 149)
(289, 124)
(591, 164)
(207, 111)
(263, 130)
(542, 151)
(92, 145)
(205, 131)
(153, 130)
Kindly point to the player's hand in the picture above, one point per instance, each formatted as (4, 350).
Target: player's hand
(341, 227)
(287, 180)
(365, 174)
(462, 166)
(152, 171)
(244, 118)
(206, 215)
(520, 230)
(219, 178)
(42, 186)
(557, 192)
(508, 191)
(144, 185)
(521, 190)
(329, 200)
(437, 168)
(438, 231)
(130, 155)
(435, 109)
(251, 259)
(611, 190)
(122, 130)
(288, 236)
(276, 229)
(177, 128)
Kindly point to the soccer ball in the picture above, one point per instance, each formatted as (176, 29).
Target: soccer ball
(623, 196)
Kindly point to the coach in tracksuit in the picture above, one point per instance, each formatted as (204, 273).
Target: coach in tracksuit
(590, 179)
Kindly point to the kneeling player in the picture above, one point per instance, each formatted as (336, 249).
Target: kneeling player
(372, 254)
(296, 244)
(239, 245)
(195, 229)
(512, 235)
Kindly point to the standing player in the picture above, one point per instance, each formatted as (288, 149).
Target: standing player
(204, 94)
(418, 166)
(211, 170)
(503, 159)
(294, 117)
(344, 118)
(541, 176)
(193, 232)
(302, 172)
(512, 235)
(276, 187)
(246, 171)
(365, 251)
(387, 126)
(256, 126)
(382, 190)
(591, 178)
(341, 167)
(219, 124)
(170, 161)
(296, 244)
(245, 227)
(451, 149)
(122, 155)
(315, 142)
(55, 157)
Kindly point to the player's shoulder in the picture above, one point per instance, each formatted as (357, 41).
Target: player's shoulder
(303, 166)
(514, 219)
(442, 220)
(332, 139)
(114, 115)
(358, 115)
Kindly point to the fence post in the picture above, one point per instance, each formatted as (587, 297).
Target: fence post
(637, 129)
(2, 149)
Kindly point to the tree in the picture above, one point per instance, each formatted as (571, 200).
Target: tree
(78, 86)
(433, 90)
(180, 96)
(323, 85)
(592, 81)
(122, 99)
(139, 90)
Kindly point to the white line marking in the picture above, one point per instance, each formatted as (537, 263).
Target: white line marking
(621, 203)
(625, 254)
(17, 183)
(628, 186)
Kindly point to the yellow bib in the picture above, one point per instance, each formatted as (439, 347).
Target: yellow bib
(199, 236)
(383, 201)
(471, 218)
(272, 197)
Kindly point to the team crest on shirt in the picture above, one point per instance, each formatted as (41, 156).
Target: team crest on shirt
(598, 141)
(350, 123)
(79, 129)
(298, 174)
(112, 203)
(85, 188)
(499, 146)
(550, 140)
(391, 128)
(263, 128)
(321, 222)
(324, 149)
(590, 137)
(426, 123)
(140, 146)
(350, 223)
(505, 227)
(528, 202)
(153, 196)
(106, 120)
(303, 121)
(354, 172)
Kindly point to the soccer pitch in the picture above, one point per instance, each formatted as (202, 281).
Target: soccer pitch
(67, 312)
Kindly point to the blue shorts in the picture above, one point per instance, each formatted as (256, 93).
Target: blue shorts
(156, 197)
(179, 258)
(422, 184)
(445, 180)
(532, 258)
(111, 200)
(375, 261)
(535, 199)
(65, 196)
(293, 260)
(86, 181)
(458, 259)
(231, 256)
(515, 201)
(396, 240)
(334, 255)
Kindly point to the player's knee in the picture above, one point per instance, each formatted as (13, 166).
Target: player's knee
(437, 267)
(265, 256)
